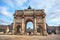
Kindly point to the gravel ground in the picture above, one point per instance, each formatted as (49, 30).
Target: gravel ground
(26, 37)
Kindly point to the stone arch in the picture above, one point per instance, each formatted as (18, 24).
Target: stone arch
(28, 20)
(18, 29)
(37, 17)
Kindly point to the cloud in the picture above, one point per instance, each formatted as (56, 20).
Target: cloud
(13, 3)
(52, 8)
(54, 17)
(5, 22)
(29, 25)
(4, 11)
(19, 2)
(8, 2)
(45, 4)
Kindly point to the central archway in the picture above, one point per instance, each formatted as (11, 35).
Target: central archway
(29, 26)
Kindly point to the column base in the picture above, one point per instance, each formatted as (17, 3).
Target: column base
(22, 33)
(45, 33)
(34, 33)
(13, 32)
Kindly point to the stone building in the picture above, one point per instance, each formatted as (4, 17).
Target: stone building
(37, 17)
(6, 28)
(3, 28)
(53, 29)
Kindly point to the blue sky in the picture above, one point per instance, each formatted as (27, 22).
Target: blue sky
(51, 7)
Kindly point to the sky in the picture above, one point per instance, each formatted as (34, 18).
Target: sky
(51, 7)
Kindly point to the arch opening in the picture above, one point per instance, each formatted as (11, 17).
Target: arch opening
(18, 29)
(29, 26)
(39, 29)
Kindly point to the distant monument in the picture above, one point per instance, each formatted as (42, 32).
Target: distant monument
(21, 17)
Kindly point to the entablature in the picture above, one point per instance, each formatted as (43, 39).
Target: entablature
(29, 12)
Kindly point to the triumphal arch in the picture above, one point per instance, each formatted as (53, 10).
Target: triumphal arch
(37, 17)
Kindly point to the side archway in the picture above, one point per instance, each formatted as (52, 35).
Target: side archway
(40, 29)
(18, 29)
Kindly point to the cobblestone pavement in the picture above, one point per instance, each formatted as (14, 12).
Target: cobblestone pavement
(24, 37)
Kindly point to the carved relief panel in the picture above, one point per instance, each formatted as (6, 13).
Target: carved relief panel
(28, 12)
(39, 20)
(18, 21)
